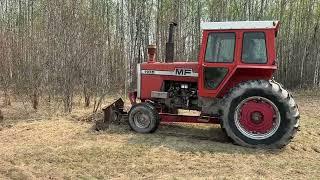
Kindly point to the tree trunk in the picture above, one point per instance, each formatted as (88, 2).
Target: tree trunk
(35, 100)
(87, 101)
(7, 100)
(1, 116)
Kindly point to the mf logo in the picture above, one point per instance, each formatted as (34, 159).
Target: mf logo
(183, 72)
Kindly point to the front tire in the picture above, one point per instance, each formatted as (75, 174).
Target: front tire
(260, 113)
(144, 118)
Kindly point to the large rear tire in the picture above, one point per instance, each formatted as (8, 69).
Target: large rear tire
(260, 113)
(144, 118)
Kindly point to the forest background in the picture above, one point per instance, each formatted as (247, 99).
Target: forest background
(57, 50)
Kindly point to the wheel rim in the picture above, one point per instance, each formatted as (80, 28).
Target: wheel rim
(257, 118)
(141, 120)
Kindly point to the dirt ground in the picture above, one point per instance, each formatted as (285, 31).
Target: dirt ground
(49, 145)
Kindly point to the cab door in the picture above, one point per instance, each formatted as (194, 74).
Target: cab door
(217, 60)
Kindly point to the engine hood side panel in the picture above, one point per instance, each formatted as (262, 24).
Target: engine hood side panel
(153, 75)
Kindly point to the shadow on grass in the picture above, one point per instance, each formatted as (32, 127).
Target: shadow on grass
(187, 138)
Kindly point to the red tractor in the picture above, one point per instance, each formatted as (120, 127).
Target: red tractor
(231, 84)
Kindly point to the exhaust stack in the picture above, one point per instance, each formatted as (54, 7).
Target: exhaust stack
(170, 44)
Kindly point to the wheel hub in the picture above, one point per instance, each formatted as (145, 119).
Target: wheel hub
(141, 120)
(257, 117)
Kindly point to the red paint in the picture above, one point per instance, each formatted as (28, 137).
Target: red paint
(265, 112)
(246, 73)
(154, 82)
(174, 118)
(237, 72)
(170, 66)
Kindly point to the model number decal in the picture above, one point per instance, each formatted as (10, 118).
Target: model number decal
(148, 72)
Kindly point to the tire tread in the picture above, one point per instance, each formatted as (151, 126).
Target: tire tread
(280, 93)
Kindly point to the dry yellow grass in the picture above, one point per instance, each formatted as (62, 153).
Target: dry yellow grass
(59, 147)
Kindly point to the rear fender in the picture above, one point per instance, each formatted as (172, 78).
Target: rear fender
(243, 74)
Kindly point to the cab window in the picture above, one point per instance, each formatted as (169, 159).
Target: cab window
(220, 47)
(254, 48)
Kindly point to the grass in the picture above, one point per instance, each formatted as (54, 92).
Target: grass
(50, 145)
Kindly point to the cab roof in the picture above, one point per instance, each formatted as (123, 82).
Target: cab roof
(239, 25)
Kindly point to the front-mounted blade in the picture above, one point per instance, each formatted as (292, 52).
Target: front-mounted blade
(112, 113)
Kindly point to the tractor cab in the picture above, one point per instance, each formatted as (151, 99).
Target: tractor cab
(232, 52)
